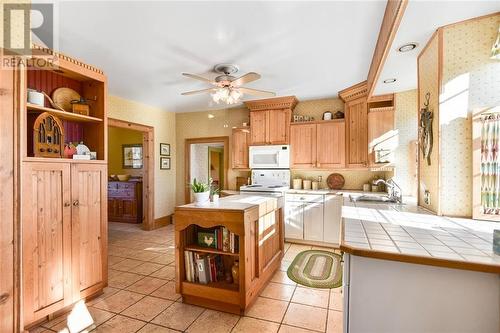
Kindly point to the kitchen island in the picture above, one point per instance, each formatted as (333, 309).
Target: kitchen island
(406, 270)
(226, 252)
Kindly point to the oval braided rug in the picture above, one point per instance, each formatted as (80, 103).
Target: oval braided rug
(316, 269)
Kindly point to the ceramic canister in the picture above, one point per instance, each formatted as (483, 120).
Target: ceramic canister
(315, 185)
(35, 97)
(366, 187)
(306, 183)
(297, 184)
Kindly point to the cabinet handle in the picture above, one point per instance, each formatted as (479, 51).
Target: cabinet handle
(67, 204)
(3, 298)
(76, 203)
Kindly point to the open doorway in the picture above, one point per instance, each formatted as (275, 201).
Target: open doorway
(206, 158)
(131, 173)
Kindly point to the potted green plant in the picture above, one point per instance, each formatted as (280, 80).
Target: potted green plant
(201, 191)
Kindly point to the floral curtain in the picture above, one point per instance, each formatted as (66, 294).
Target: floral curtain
(490, 164)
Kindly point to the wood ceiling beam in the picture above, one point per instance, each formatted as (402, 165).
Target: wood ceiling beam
(394, 11)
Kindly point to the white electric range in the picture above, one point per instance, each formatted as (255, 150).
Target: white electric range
(272, 182)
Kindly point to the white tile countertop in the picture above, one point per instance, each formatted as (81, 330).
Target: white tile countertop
(411, 234)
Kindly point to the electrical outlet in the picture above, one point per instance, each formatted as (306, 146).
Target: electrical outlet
(427, 197)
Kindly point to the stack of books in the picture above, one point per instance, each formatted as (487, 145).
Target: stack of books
(219, 238)
(203, 268)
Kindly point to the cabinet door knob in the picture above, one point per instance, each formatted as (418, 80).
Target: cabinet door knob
(67, 204)
(76, 203)
(4, 297)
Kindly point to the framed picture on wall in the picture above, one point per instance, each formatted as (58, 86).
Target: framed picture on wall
(164, 163)
(165, 149)
(132, 156)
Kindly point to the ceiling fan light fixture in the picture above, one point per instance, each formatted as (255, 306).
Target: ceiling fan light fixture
(227, 95)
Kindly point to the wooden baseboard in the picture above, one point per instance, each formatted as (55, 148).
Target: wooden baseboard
(162, 221)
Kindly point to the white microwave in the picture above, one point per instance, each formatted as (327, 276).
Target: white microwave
(269, 157)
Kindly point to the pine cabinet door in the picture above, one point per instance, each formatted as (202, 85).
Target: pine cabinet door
(258, 127)
(241, 138)
(279, 127)
(303, 146)
(89, 221)
(380, 132)
(313, 222)
(46, 239)
(330, 144)
(357, 133)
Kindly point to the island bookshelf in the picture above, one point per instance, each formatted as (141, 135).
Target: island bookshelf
(260, 233)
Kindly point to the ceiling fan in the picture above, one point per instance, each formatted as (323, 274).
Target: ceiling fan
(226, 87)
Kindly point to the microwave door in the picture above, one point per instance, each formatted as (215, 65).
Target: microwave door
(264, 159)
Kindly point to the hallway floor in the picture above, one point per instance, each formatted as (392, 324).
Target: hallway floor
(141, 295)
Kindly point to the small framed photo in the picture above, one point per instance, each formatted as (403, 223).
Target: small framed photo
(132, 156)
(164, 163)
(165, 149)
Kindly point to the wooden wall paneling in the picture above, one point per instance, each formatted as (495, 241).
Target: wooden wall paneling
(303, 146)
(89, 225)
(330, 144)
(46, 239)
(8, 178)
(394, 11)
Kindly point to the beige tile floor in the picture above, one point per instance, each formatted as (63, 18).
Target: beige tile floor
(141, 295)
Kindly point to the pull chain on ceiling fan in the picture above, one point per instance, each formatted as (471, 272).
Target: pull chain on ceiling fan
(227, 88)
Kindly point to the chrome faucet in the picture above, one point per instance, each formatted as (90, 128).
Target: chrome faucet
(393, 189)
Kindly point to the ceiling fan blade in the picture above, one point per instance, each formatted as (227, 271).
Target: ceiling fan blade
(199, 78)
(256, 92)
(248, 77)
(198, 91)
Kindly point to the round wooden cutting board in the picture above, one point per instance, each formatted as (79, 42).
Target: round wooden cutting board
(335, 181)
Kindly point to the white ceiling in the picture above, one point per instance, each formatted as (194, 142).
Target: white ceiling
(307, 49)
(419, 22)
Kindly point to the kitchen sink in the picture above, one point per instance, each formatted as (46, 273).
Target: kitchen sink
(372, 198)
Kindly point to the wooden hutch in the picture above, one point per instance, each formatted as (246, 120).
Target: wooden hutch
(63, 201)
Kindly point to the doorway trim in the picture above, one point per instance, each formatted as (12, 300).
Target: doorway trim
(148, 178)
(187, 160)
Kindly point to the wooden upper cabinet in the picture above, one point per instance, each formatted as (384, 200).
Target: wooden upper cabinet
(303, 146)
(259, 128)
(279, 126)
(330, 145)
(319, 145)
(356, 115)
(89, 233)
(241, 139)
(270, 120)
(381, 135)
(46, 240)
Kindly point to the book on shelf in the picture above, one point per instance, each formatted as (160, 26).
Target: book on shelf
(204, 268)
(219, 238)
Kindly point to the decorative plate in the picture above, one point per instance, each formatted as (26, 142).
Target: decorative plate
(335, 181)
(63, 97)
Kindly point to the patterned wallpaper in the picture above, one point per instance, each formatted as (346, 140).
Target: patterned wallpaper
(354, 179)
(406, 124)
(428, 82)
(164, 130)
(317, 107)
(470, 81)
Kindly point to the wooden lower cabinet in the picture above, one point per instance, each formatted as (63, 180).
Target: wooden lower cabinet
(125, 201)
(89, 228)
(63, 235)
